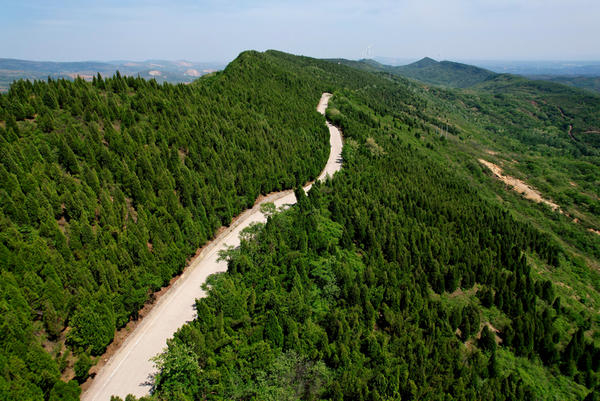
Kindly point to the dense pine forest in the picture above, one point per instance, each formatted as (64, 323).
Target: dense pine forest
(107, 187)
(412, 274)
(398, 279)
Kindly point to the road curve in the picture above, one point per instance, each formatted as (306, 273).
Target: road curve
(129, 369)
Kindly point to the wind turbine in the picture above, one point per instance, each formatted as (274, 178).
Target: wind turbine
(368, 52)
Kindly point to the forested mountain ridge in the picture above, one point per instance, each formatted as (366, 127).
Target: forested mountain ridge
(107, 187)
(442, 73)
(413, 274)
(579, 81)
(446, 73)
(451, 74)
(547, 133)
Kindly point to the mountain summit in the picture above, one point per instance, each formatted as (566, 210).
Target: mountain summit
(444, 73)
(423, 63)
(428, 70)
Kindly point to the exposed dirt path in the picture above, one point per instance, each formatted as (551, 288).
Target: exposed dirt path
(128, 369)
(519, 186)
(571, 132)
(560, 110)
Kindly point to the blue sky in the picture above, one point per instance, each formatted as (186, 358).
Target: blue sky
(217, 30)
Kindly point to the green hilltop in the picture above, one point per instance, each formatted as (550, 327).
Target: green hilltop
(428, 70)
(457, 75)
(413, 274)
(445, 73)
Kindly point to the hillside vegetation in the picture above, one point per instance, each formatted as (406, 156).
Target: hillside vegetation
(106, 188)
(445, 73)
(411, 275)
(428, 70)
(582, 82)
(457, 75)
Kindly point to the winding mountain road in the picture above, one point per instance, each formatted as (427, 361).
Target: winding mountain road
(129, 369)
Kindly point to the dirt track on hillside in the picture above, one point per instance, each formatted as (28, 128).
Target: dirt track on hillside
(128, 369)
(519, 186)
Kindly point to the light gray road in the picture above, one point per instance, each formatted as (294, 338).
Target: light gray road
(129, 369)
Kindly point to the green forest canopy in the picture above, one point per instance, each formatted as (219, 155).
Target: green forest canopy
(107, 187)
(395, 280)
(375, 286)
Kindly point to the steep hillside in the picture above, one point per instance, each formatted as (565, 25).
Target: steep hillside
(107, 187)
(414, 273)
(549, 104)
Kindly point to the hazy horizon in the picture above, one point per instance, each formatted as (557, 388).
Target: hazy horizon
(391, 60)
(217, 31)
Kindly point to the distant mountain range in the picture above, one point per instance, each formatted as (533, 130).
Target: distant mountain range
(446, 73)
(584, 75)
(161, 70)
(459, 75)
(583, 82)
(534, 68)
(428, 70)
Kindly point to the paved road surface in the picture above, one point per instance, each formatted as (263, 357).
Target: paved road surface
(129, 369)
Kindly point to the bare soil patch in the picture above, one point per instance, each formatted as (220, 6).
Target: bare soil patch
(192, 73)
(561, 284)
(182, 154)
(87, 77)
(62, 224)
(492, 329)
(571, 133)
(459, 292)
(519, 186)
